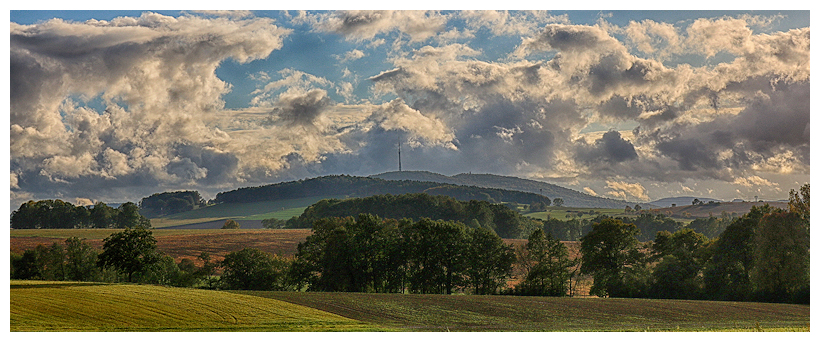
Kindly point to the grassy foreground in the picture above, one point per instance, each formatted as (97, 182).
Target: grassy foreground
(66, 306)
(507, 313)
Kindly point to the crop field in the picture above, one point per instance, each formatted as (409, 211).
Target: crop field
(66, 306)
(177, 243)
(71, 306)
(282, 210)
(508, 313)
(567, 213)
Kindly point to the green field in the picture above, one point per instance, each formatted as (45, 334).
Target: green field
(282, 210)
(65, 306)
(508, 313)
(567, 213)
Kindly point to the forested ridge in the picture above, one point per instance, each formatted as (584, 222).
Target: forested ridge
(353, 186)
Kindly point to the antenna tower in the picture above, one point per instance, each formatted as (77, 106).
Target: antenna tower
(399, 155)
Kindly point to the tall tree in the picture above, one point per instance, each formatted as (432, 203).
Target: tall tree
(781, 255)
(610, 252)
(680, 256)
(547, 262)
(129, 251)
(436, 255)
(489, 261)
(727, 274)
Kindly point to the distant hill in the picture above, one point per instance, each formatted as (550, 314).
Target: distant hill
(352, 186)
(571, 197)
(679, 201)
(716, 209)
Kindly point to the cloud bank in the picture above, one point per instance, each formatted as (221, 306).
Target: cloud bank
(136, 103)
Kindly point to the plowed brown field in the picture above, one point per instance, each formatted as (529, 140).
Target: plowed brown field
(190, 244)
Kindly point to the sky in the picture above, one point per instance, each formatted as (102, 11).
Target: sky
(114, 106)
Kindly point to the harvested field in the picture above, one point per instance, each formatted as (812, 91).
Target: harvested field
(181, 244)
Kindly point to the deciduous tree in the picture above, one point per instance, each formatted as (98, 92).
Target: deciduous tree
(129, 251)
(610, 252)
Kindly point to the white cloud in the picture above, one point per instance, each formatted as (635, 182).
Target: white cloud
(623, 189)
(590, 191)
(753, 181)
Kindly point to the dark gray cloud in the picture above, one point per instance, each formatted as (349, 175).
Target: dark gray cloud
(611, 148)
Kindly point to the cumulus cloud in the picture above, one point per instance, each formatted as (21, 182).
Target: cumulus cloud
(625, 190)
(136, 101)
(753, 181)
(155, 77)
(590, 191)
(360, 25)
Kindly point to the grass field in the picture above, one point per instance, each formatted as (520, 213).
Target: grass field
(566, 213)
(507, 313)
(68, 306)
(282, 210)
(63, 306)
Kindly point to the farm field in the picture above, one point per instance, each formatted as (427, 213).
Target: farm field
(177, 243)
(71, 306)
(66, 306)
(509, 313)
(568, 213)
(282, 210)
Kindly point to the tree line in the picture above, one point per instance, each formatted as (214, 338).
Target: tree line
(648, 225)
(50, 214)
(760, 256)
(506, 222)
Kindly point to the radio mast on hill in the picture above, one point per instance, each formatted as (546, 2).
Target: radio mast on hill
(399, 155)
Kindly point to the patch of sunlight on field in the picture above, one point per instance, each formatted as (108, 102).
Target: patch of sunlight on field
(68, 306)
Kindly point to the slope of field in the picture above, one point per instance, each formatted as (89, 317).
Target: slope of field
(716, 209)
(255, 211)
(65, 306)
(507, 313)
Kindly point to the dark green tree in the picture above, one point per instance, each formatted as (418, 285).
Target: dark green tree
(610, 253)
(103, 216)
(252, 269)
(680, 256)
(129, 251)
(128, 216)
(781, 256)
(489, 261)
(547, 262)
(81, 260)
(727, 274)
(436, 256)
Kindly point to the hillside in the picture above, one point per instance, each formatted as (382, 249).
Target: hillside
(71, 306)
(715, 209)
(679, 201)
(352, 186)
(571, 197)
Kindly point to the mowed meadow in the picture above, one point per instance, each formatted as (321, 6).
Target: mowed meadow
(71, 306)
(67, 306)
